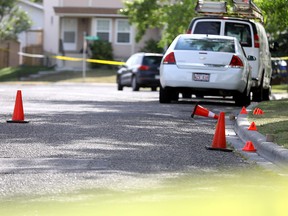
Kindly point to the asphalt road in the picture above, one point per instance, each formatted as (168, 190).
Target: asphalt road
(89, 136)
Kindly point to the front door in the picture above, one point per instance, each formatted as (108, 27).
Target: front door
(69, 33)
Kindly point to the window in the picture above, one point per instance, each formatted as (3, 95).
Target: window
(207, 27)
(206, 44)
(103, 29)
(69, 37)
(241, 31)
(123, 31)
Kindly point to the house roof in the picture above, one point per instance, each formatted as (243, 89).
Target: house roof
(87, 11)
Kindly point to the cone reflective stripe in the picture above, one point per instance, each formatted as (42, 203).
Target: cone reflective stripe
(201, 111)
(258, 111)
(243, 110)
(249, 147)
(252, 127)
(255, 111)
(219, 140)
(18, 114)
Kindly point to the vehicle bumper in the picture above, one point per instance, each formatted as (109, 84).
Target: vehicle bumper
(227, 80)
(148, 80)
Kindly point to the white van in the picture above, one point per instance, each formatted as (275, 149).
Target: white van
(253, 38)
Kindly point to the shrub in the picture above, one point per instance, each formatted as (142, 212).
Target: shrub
(101, 50)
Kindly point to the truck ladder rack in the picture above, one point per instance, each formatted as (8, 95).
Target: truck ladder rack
(241, 8)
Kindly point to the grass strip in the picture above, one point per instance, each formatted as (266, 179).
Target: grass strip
(274, 120)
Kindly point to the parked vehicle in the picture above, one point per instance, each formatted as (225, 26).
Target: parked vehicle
(251, 35)
(140, 70)
(205, 65)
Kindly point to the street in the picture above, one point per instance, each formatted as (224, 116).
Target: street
(86, 142)
(84, 136)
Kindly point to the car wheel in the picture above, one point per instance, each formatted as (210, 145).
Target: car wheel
(243, 99)
(119, 86)
(135, 86)
(164, 95)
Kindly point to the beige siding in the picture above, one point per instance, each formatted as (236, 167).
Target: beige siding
(92, 3)
(107, 3)
(75, 3)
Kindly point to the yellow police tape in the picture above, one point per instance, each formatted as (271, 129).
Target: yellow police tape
(66, 58)
(99, 61)
(280, 58)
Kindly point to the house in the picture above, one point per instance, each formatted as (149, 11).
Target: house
(67, 22)
(31, 41)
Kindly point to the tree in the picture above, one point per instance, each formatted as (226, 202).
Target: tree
(275, 15)
(172, 18)
(12, 20)
(276, 21)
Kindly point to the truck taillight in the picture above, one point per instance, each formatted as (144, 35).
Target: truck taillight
(256, 41)
(188, 31)
(169, 59)
(236, 62)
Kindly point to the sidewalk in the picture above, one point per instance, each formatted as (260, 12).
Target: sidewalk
(267, 150)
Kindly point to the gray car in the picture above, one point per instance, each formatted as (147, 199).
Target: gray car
(140, 70)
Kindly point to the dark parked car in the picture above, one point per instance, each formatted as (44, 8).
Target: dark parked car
(140, 70)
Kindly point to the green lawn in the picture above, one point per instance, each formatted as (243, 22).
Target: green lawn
(280, 88)
(274, 121)
(95, 75)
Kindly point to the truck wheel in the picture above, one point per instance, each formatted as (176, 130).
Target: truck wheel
(266, 94)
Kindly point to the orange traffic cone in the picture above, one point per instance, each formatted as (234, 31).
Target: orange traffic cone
(255, 111)
(243, 110)
(249, 147)
(201, 111)
(219, 140)
(18, 114)
(252, 127)
(260, 112)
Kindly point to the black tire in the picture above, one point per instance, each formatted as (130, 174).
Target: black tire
(119, 86)
(134, 84)
(164, 95)
(243, 99)
(266, 94)
(258, 93)
(174, 95)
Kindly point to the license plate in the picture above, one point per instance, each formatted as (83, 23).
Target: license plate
(201, 77)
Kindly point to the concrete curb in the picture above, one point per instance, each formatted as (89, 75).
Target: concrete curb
(268, 150)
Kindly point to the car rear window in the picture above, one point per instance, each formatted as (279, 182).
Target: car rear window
(241, 31)
(205, 44)
(207, 27)
(152, 60)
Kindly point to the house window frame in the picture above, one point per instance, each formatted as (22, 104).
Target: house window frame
(95, 26)
(117, 31)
